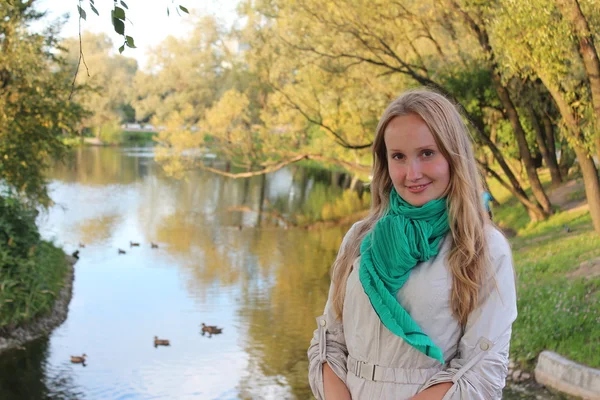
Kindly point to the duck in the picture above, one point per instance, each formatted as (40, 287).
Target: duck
(211, 329)
(133, 244)
(76, 254)
(161, 342)
(81, 245)
(153, 245)
(78, 359)
(122, 251)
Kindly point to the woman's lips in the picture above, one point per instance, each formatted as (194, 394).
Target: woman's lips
(418, 188)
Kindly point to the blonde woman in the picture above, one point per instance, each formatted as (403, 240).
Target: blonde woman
(423, 296)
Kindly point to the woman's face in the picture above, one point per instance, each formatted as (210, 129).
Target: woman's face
(419, 171)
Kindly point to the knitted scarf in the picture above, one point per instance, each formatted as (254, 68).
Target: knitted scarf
(405, 236)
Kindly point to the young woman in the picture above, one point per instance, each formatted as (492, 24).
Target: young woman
(423, 296)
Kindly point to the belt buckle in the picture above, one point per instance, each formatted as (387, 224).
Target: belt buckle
(366, 371)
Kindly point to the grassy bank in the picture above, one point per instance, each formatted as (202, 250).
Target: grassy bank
(29, 290)
(32, 271)
(114, 138)
(557, 263)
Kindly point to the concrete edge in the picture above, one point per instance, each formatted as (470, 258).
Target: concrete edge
(41, 326)
(557, 372)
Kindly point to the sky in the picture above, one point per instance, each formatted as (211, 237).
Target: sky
(149, 23)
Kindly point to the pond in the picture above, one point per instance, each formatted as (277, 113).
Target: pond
(221, 259)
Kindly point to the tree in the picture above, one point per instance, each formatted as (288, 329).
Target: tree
(540, 44)
(404, 41)
(474, 18)
(36, 110)
(572, 12)
(186, 72)
(109, 82)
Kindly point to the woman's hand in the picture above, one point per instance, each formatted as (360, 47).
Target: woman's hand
(436, 392)
(334, 387)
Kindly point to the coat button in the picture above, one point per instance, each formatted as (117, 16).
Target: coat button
(484, 346)
(323, 322)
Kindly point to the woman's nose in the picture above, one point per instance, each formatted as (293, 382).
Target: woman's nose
(413, 171)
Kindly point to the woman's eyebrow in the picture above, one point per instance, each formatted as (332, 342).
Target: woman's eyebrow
(429, 146)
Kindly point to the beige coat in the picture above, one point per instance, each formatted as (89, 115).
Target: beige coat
(376, 364)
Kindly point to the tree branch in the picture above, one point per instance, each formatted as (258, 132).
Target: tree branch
(275, 167)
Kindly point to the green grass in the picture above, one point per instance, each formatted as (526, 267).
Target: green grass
(137, 136)
(30, 289)
(557, 311)
(73, 141)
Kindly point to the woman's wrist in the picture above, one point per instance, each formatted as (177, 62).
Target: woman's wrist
(333, 387)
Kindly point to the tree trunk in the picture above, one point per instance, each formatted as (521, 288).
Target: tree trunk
(513, 116)
(534, 210)
(567, 158)
(586, 163)
(572, 12)
(510, 109)
(493, 133)
(551, 145)
(591, 183)
(542, 145)
(261, 200)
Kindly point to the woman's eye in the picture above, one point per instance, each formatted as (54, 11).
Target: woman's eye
(397, 156)
(428, 153)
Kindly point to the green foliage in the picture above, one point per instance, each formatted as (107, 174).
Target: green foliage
(137, 136)
(31, 270)
(330, 203)
(35, 109)
(18, 231)
(319, 196)
(30, 285)
(119, 16)
(108, 91)
(346, 205)
(110, 132)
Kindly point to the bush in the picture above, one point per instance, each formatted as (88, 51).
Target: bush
(31, 270)
(110, 132)
(18, 232)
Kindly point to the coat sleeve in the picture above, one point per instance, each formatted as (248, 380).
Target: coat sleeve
(328, 344)
(479, 370)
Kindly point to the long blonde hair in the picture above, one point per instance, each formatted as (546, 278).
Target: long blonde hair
(468, 257)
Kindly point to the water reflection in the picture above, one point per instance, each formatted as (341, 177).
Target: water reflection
(234, 269)
(264, 285)
(31, 377)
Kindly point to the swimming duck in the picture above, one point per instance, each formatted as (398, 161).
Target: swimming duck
(122, 251)
(211, 329)
(133, 244)
(78, 359)
(81, 245)
(153, 245)
(161, 342)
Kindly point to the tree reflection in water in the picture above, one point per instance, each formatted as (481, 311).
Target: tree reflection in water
(24, 374)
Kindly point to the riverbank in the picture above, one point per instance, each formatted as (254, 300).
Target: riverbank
(116, 139)
(15, 336)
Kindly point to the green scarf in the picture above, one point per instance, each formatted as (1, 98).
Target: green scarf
(405, 236)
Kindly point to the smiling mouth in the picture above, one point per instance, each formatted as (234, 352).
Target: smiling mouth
(417, 187)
